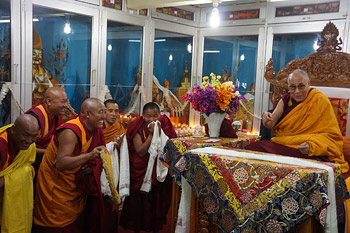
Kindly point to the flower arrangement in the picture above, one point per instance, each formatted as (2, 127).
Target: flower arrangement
(212, 96)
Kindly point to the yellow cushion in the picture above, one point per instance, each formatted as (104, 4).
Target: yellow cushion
(346, 148)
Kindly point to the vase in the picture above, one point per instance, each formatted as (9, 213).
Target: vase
(214, 121)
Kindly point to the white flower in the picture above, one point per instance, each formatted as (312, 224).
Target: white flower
(237, 93)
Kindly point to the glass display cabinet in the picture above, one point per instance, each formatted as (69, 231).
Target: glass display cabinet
(233, 57)
(61, 54)
(172, 74)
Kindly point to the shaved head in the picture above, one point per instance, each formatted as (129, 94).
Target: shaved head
(55, 101)
(93, 112)
(26, 121)
(90, 104)
(24, 131)
(52, 92)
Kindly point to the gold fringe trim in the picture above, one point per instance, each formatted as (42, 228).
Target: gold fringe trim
(109, 175)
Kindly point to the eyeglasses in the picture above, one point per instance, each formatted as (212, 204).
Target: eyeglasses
(301, 87)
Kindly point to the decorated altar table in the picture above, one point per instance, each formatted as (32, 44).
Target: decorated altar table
(242, 194)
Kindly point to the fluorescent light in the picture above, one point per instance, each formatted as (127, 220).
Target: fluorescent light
(138, 41)
(211, 51)
(159, 40)
(170, 57)
(8, 20)
(109, 47)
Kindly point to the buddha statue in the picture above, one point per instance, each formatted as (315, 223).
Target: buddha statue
(42, 77)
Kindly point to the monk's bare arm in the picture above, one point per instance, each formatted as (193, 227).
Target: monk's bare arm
(270, 119)
(66, 144)
(40, 152)
(142, 147)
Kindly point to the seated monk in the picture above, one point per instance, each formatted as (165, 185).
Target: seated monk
(304, 123)
(70, 173)
(17, 153)
(112, 127)
(146, 210)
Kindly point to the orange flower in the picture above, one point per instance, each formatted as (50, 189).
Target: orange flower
(224, 97)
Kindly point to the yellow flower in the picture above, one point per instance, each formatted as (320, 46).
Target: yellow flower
(211, 74)
(205, 78)
(212, 78)
(203, 83)
(218, 77)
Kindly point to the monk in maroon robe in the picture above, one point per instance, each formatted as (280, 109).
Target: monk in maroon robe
(49, 115)
(69, 175)
(146, 211)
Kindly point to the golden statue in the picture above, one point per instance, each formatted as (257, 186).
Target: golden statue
(42, 77)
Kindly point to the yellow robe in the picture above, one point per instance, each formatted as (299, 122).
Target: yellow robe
(17, 201)
(313, 121)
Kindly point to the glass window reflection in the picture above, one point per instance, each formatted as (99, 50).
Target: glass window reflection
(61, 54)
(172, 71)
(5, 60)
(235, 59)
(287, 47)
(123, 64)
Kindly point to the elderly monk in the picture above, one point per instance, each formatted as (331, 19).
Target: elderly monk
(17, 153)
(72, 152)
(49, 115)
(112, 127)
(141, 210)
(305, 125)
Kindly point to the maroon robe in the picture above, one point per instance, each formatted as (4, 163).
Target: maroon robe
(42, 140)
(7, 150)
(145, 211)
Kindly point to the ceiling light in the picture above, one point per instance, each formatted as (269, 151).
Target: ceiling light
(215, 16)
(189, 48)
(67, 29)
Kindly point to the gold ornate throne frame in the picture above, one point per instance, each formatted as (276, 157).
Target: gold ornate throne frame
(329, 71)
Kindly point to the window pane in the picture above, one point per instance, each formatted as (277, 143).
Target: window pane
(287, 47)
(172, 70)
(234, 58)
(5, 60)
(123, 64)
(61, 53)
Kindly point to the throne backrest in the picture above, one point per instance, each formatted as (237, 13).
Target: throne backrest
(327, 68)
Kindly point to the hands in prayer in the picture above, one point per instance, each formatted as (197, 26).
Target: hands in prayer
(304, 148)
